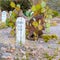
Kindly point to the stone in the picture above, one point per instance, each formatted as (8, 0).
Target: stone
(6, 55)
(3, 49)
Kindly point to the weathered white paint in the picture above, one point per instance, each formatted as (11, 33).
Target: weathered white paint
(20, 30)
(4, 16)
(0, 15)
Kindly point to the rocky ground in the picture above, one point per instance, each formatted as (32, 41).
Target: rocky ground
(32, 50)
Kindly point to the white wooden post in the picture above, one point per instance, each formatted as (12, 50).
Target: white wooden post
(20, 30)
(4, 16)
(0, 15)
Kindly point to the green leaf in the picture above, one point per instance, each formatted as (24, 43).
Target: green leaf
(38, 6)
(47, 25)
(47, 30)
(49, 16)
(33, 8)
(43, 4)
(7, 21)
(27, 13)
(55, 13)
(43, 10)
(49, 11)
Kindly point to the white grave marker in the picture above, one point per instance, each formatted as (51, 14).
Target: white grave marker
(4, 16)
(20, 30)
(0, 15)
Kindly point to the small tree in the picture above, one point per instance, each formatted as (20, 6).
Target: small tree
(5, 4)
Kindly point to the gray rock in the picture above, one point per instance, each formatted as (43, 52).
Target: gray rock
(5, 55)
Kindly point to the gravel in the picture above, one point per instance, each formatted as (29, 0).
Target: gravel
(32, 50)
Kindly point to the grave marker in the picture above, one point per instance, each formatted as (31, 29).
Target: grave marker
(20, 30)
(4, 16)
(0, 15)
